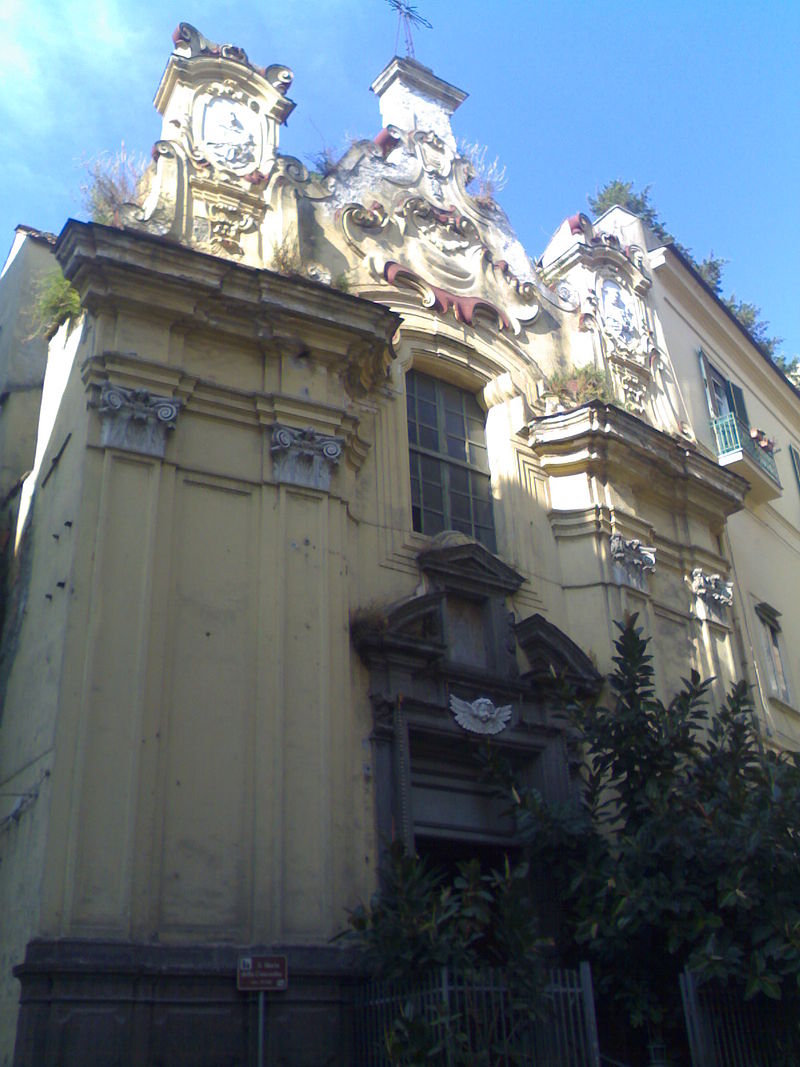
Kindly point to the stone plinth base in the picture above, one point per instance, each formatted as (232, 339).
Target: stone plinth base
(118, 1004)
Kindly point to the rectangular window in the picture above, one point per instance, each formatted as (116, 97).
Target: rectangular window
(730, 423)
(771, 635)
(724, 398)
(450, 482)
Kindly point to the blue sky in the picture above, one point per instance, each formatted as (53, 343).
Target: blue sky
(699, 99)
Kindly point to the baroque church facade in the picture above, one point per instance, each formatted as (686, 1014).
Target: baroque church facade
(322, 483)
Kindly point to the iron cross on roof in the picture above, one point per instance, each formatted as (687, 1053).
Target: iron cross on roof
(407, 18)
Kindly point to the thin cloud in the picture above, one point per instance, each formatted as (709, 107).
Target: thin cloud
(57, 60)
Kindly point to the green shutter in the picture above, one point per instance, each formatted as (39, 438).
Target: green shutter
(736, 397)
(795, 463)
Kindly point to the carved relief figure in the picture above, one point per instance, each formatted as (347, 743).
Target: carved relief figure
(228, 133)
(617, 314)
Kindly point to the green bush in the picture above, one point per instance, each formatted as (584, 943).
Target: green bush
(420, 921)
(578, 385)
(683, 851)
(56, 302)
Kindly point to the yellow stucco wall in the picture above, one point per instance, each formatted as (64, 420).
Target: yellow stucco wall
(762, 540)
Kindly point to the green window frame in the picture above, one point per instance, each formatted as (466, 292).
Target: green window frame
(721, 391)
(795, 457)
(450, 481)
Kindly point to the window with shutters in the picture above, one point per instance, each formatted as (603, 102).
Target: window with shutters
(771, 636)
(450, 482)
(734, 436)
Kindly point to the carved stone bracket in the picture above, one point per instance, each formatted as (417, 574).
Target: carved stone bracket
(633, 561)
(367, 367)
(633, 386)
(304, 457)
(712, 588)
(136, 420)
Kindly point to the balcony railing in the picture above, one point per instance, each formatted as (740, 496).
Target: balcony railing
(733, 436)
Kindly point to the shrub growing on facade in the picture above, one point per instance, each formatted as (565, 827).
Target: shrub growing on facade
(420, 920)
(577, 385)
(684, 850)
(113, 181)
(56, 302)
(421, 925)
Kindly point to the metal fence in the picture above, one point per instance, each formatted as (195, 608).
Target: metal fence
(725, 1030)
(476, 1018)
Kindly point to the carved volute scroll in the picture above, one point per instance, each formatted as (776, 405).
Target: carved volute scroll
(632, 561)
(304, 457)
(136, 420)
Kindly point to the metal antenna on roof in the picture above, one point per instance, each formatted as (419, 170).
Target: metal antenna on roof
(407, 18)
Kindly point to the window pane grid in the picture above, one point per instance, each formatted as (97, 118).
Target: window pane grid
(450, 484)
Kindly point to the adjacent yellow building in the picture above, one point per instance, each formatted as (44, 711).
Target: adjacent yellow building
(325, 477)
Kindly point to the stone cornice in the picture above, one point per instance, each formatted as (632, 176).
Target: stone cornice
(421, 78)
(603, 440)
(114, 269)
(595, 255)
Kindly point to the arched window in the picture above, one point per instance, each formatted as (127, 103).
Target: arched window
(450, 483)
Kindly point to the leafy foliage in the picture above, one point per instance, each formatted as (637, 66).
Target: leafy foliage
(577, 385)
(623, 194)
(421, 922)
(56, 301)
(684, 850)
(415, 1038)
(790, 367)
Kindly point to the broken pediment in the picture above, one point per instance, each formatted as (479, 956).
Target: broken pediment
(460, 621)
(459, 565)
(554, 658)
(411, 627)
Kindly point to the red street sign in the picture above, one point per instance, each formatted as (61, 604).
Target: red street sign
(262, 973)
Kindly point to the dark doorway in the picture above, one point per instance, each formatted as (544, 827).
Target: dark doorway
(446, 854)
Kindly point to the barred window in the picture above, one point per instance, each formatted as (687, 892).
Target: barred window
(450, 483)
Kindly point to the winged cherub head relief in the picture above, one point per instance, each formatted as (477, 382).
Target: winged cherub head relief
(480, 716)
